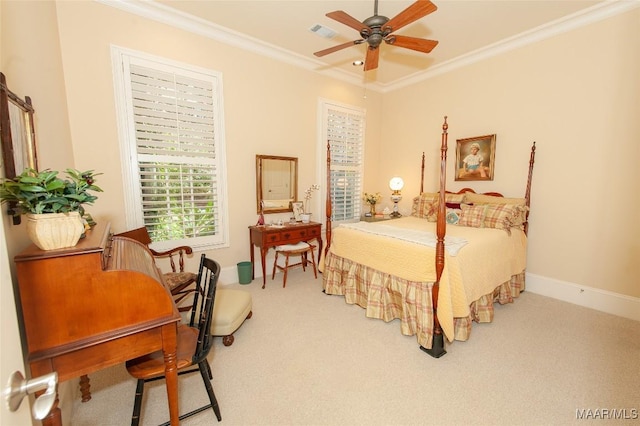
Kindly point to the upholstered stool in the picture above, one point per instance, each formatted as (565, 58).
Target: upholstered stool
(301, 249)
(230, 309)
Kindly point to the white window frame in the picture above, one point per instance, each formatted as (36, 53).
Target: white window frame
(324, 105)
(122, 58)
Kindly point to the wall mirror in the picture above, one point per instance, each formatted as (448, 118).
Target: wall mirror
(18, 138)
(276, 183)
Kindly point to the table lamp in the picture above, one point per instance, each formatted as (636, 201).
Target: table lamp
(396, 184)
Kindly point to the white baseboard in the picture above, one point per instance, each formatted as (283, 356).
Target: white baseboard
(589, 297)
(229, 274)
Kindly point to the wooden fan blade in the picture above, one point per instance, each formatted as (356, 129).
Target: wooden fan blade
(412, 13)
(344, 18)
(413, 43)
(371, 61)
(338, 47)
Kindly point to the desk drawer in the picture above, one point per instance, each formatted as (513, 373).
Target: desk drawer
(273, 237)
(298, 235)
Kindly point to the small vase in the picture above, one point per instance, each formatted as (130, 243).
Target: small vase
(306, 217)
(372, 209)
(50, 231)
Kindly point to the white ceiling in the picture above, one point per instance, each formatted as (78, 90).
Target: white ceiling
(464, 28)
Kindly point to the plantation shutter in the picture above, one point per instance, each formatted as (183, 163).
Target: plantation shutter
(175, 140)
(345, 133)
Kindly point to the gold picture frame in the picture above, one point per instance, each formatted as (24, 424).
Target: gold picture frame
(475, 158)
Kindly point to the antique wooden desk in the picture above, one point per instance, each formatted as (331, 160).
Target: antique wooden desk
(266, 236)
(94, 305)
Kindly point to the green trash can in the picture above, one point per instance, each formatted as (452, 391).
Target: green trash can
(245, 271)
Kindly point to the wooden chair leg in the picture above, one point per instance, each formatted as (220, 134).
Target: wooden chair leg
(313, 263)
(275, 263)
(135, 418)
(286, 269)
(204, 372)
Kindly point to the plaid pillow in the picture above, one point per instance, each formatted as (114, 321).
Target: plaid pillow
(504, 216)
(473, 198)
(425, 206)
(472, 215)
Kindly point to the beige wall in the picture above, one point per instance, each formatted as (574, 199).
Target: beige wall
(578, 96)
(269, 107)
(31, 62)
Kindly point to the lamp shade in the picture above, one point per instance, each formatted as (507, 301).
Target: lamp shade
(396, 183)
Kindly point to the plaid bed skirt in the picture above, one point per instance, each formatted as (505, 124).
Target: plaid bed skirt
(388, 297)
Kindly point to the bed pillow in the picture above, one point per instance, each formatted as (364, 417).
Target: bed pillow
(504, 216)
(454, 200)
(426, 206)
(472, 198)
(453, 216)
(472, 215)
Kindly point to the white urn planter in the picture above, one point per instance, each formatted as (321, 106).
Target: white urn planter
(306, 217)
(50, 231)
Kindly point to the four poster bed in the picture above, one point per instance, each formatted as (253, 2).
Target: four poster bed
(407, 269)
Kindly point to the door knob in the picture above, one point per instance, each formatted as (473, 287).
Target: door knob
(18, 387)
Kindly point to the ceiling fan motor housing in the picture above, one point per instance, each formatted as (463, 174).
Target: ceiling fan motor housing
(373, 34)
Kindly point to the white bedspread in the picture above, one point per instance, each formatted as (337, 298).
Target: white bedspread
(429, 239)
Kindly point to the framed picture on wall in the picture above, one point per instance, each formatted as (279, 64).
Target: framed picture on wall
(298, 209)
(475, 158)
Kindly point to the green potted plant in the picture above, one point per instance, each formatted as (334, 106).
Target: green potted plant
(53, 206)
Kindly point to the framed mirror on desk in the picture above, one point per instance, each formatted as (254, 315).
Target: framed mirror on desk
(276, 183)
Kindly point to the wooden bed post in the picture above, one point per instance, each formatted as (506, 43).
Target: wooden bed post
(437, 345)
(527, 193)
(327, 207)
(422, 176)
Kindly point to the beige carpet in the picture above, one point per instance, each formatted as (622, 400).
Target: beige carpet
(306, 358)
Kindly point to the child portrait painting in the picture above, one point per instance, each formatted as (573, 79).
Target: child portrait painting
(475, 158)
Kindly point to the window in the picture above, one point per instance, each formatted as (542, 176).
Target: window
(172, 141)
(343, 128)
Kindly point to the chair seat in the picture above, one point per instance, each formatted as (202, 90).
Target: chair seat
(294, 247)
(177, 279)
(152, 365)
(230, 309)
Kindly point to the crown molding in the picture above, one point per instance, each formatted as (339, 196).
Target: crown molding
(568, 23)
(166, 15)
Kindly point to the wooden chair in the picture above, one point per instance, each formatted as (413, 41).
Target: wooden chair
(180, 282)
(301, 249)
(194, 343)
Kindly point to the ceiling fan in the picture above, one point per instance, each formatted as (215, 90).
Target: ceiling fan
(377, 28)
